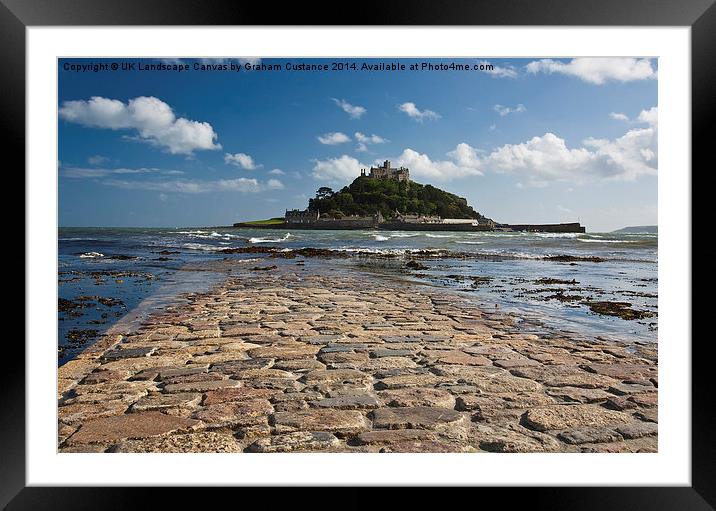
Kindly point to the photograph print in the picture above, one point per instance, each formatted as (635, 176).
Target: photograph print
(396, 255)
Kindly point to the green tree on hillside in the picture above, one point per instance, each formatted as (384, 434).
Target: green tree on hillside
(367, 196)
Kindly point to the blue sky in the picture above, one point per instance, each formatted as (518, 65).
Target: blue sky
(526, 141)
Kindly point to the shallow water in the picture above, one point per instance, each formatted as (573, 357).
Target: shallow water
(497, 269)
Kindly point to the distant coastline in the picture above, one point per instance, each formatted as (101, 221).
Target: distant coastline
(638, 229)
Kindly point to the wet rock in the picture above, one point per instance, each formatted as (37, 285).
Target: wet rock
(128, 426)
(336, 421)
(298, 441)
(415, 265)
(551, 281)
(620, 309)
(572, 416)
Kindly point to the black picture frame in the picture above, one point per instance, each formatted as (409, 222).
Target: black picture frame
(700, 15)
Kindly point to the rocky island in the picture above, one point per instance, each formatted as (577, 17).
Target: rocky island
(386, 198)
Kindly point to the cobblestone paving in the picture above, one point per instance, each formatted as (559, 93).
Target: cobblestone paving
(298, 360)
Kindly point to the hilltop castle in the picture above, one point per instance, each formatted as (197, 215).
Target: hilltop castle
(385, 171)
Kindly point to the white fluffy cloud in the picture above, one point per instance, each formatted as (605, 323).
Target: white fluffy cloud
(277, 172)
(274, 184)
(500, 72)
(241, 160)
(537, 162)
(152, 118)
(92, 172)
(339, 169)
(334, 138)
(546, 159)
(412, 111)
(353, 111)
(506, 110)
(540, 160)
(365, 140)
(463, 162)
(369, 139)
(650, 117)
(97, 159)
(597, 70)
(241, 185)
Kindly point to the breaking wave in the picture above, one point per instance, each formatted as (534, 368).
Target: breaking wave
(270, 240)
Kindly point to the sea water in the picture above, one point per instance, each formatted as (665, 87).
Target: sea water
(128, 266)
